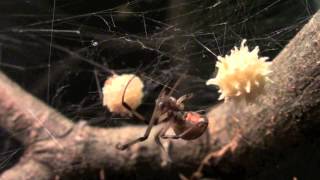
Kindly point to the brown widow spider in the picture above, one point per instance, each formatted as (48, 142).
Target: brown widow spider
(187, 125)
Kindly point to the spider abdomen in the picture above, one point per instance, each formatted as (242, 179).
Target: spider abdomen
(191, 126)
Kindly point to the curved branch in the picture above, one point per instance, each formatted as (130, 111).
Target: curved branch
(27, 118)
(56, 146)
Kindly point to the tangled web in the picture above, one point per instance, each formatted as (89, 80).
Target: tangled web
(62, 52)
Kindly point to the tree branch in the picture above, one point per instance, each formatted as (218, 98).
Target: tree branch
(281, 118)
(284, 116)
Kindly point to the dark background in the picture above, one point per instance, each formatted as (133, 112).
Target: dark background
(65, 62)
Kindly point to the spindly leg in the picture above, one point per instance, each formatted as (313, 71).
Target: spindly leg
(132, 111)
(154, 118)
(161, 133)
(127, 106)
(140, 139)
(179, 135)
(165, 151)
(177, 83)
(182, 99)
(170, 136)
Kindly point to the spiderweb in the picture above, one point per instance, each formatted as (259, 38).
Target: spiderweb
(62, 51)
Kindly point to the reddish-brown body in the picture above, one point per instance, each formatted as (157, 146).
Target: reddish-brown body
(187, 125)
(190, 120)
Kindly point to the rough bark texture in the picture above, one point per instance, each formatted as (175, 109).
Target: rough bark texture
(286, 114)
(281, 118)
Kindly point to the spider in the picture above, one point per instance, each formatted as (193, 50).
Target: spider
(187, 125)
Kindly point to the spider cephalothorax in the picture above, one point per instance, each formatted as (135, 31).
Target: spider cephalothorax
(187, 125)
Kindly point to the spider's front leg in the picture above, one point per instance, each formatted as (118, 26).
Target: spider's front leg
(127, 106)
(165, 150)
(161, 133)
(153, 121)
(140, 139)
(133, 112)
(182, 99)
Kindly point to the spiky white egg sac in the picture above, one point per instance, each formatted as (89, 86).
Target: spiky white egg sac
(242, 74)
(128, 85)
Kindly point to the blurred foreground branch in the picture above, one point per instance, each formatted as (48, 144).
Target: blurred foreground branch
(281, 118)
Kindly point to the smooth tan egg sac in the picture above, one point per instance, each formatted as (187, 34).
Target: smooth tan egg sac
(242, 74)
(115, 87)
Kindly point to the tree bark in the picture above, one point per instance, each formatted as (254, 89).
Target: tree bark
(239, 138)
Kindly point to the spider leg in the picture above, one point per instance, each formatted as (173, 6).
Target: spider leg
(179, 135)
(140, 139)
(177, 83)
(171, 136)
(154, 119)
(127, 106)
(132, 111)
(160, 133)
(183, 98)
